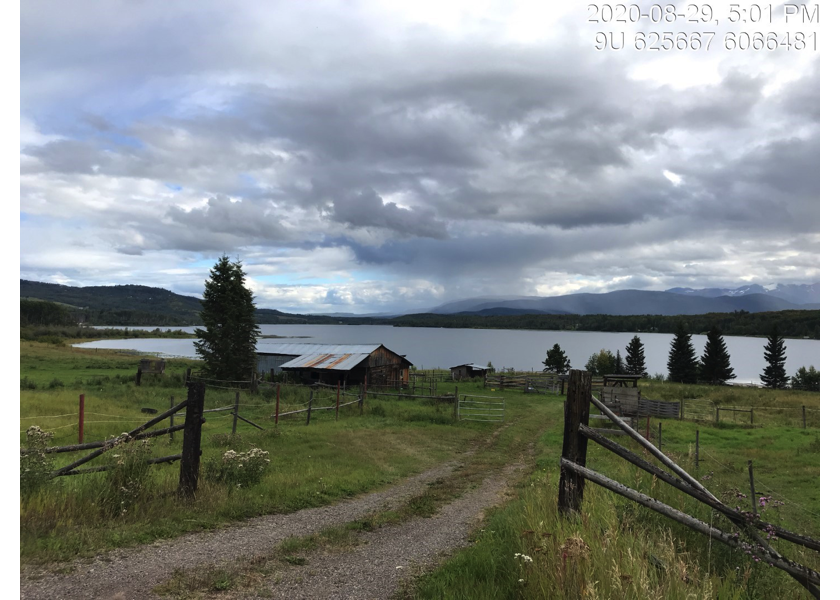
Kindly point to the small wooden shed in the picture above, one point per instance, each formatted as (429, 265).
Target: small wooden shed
(467, 371)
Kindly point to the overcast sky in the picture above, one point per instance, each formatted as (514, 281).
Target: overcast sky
(358, 157)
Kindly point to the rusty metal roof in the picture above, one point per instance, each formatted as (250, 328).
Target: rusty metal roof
(331, 361)
(267, 347)
(472, 366)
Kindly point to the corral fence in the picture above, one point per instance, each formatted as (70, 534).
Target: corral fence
(703, 410)
(574, 474)
(534, 383)
(190, 451)
(480, 408)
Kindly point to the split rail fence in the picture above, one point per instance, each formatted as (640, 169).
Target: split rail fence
(190, 451)
(574, 474)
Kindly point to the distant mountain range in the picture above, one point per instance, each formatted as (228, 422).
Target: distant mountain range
(676, 301)
(143, 305)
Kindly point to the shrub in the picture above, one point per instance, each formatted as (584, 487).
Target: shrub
(35, 466)
(55, 384)
(126, 481)
(239, 469)
(28, 384)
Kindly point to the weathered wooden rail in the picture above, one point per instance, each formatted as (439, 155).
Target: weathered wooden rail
(574, 473)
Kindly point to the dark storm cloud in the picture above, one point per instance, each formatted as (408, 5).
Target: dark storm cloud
(368, 209)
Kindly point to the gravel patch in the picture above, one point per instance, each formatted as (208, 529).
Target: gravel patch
(387, 556)
(130, 574)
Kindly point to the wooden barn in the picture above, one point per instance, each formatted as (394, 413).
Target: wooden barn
(467, 371)
(338, 363)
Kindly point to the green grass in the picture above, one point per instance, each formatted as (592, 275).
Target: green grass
(618, 549)
(614, 549)
(311, 466)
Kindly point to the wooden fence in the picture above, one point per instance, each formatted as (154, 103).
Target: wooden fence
(190, 451)
(573, 475)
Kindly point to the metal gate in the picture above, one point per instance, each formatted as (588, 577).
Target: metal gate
(481, 408)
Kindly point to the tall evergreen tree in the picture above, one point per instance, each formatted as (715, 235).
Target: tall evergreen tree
(774, 375)
(714, 364)
(619, 364)
(636, 357)
(682, 362)
(228, 342)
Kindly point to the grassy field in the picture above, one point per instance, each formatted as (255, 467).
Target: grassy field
(614, 549)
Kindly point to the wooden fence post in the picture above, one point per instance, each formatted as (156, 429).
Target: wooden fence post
(576, 412)
(191, 451)
(309, 410)
(751, 415)
(188, 376)
(81, 418)
(717, 414)
(803, 417)
(171, 419)
(272, 375)
(660, 435)
(235, 414)
(752, 488)
(337, 399)
(138, 376)
(277, 403)
(682, 409)
(697, 449)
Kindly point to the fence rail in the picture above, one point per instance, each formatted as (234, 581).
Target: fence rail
(573, 474)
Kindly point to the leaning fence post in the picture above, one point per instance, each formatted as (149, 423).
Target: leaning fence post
(752, 488)
(81, 418)
(191, 451)
(576, 412)
(309, 410)
(235, 414)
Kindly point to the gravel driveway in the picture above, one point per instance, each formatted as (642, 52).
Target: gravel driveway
(130, 574)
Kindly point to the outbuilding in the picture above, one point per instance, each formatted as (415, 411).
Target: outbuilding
(352, 364)
(468, 371)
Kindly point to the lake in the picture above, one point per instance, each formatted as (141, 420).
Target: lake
(429, 347)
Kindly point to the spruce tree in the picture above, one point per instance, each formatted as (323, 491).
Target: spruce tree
(228, 342)
(636, 357)
(619, 364)
(714, 364)
(774, 375)
(682, 362)
(556, 361)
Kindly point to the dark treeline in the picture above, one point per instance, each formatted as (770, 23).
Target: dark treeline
(791, 323)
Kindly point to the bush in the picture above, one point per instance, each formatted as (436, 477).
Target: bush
(125, 482)
(28, 384)
(35, 466)
(55, 384)
(806, 379)
(239, 469)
